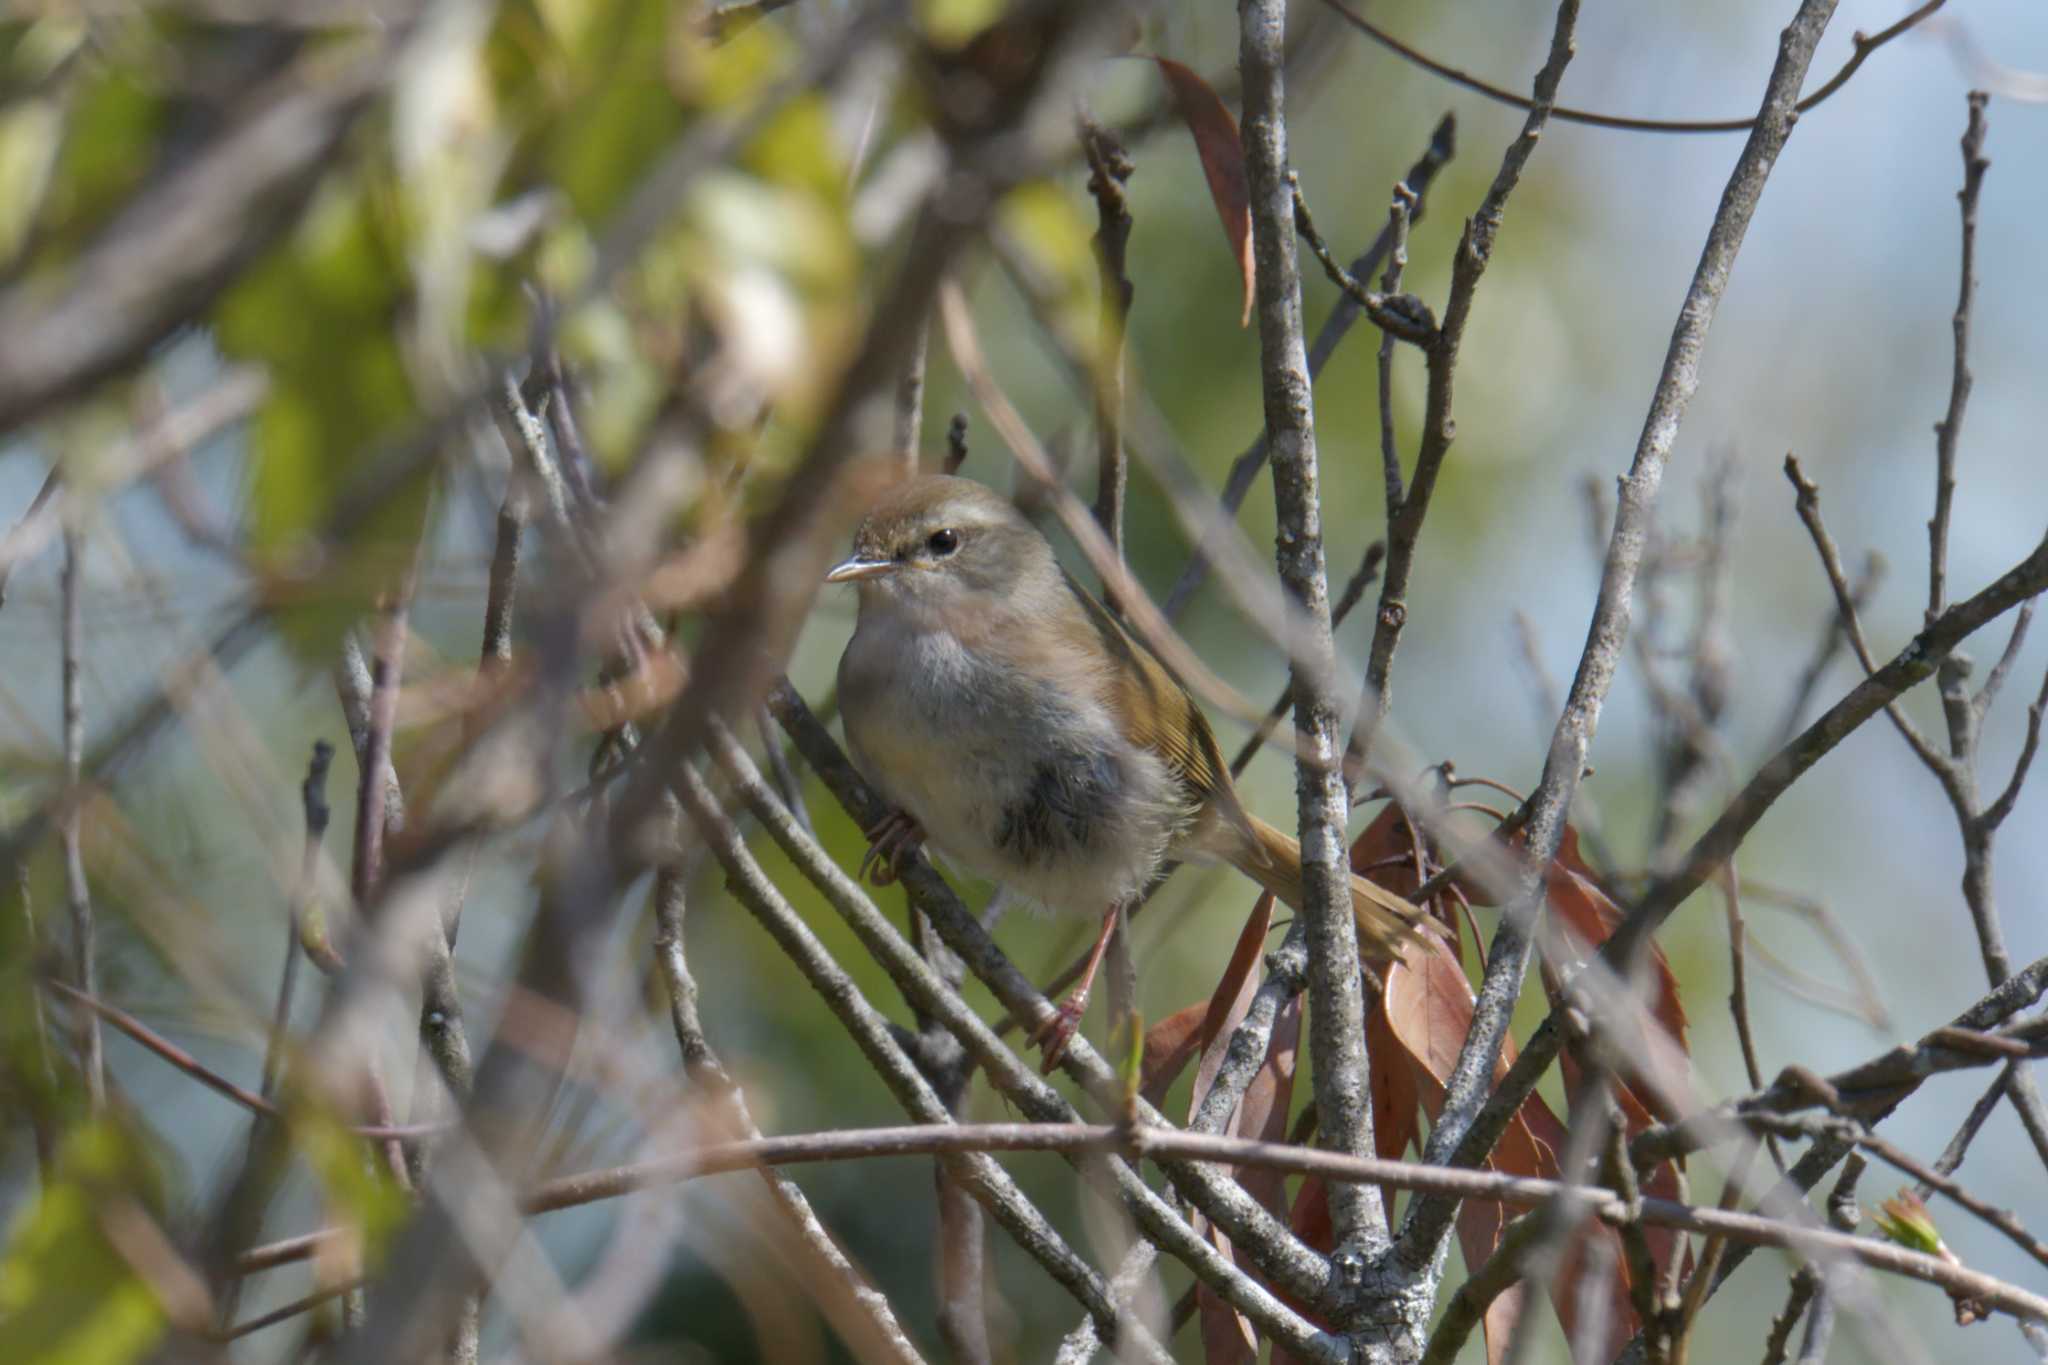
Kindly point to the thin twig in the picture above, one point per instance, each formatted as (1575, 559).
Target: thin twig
(1109, 168)
(1245, 468)
(1949, 429)
(1396, 315)
(1872, 1089)
(296, 1308)
(1863, 47)
(947, 1139)
(1807, 503)
(184, 1061)
(1993, 815)
(502, 595)
(1959, 1146)
(78, 895)
(264, 1141)
(1354, 591)
(14, 544)
(376, 779)
(910, 400)
(1405, 518)
(313, 798)
(1400, 214)
(2007, 657)
(1804, 1283)
(1499, 1272)
(1738, 992)
(1833, 636)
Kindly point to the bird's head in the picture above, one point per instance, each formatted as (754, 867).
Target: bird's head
(944, 544)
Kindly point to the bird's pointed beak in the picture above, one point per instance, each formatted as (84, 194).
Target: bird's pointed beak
(855, 569)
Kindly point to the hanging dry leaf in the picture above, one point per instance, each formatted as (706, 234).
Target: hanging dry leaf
(1187, 1033)
(1227, 1337)
(1426, 1012)
(1222, 155)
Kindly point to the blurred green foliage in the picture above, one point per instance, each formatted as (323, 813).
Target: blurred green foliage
(504, 157)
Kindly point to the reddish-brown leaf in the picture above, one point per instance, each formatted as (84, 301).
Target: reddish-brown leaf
(1263, 1112)
(1222, 154)
(1310, 1219)
(1581, 902)
(1227, 1337)
(1233, 997)
(1187, 1033)
(1427, 1011)
(1396, 1103)
(1415, 1031)
(1169, 1044)
(1384, 852)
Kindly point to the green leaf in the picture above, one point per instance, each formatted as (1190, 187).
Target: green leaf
(951, 23)
(1045, 222)
(67, 1296)
(617, 111)
(322, 314)
(114, 120)
(29, 134)
(1904, 1218)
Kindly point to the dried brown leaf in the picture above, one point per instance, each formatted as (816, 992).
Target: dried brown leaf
(1187, 1033)
(1222, 155)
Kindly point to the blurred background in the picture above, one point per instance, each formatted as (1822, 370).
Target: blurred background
(1833, 342)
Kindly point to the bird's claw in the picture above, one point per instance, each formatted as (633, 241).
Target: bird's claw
(1057, 1031)
(894, 838)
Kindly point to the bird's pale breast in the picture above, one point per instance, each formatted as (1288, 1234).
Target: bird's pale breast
(1014, 776)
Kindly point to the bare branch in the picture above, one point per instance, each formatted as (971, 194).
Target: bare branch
(980, 1139)
(1336, 1004)
(1467, 1130)
(1400, 216)
(859, 1311)
(1252, 1230)
(977, 1172)
(1994, 814)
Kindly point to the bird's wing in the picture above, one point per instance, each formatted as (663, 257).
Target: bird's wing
(1155, 711)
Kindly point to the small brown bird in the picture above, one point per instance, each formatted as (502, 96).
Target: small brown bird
(1012, 721)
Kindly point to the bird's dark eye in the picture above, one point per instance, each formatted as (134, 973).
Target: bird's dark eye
(942, 542)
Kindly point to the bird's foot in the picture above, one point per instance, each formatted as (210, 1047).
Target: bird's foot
(1058, 1030)
(892, 839)
(1055, 1033)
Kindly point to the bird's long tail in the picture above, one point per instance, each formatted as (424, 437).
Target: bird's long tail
(1387, 923)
